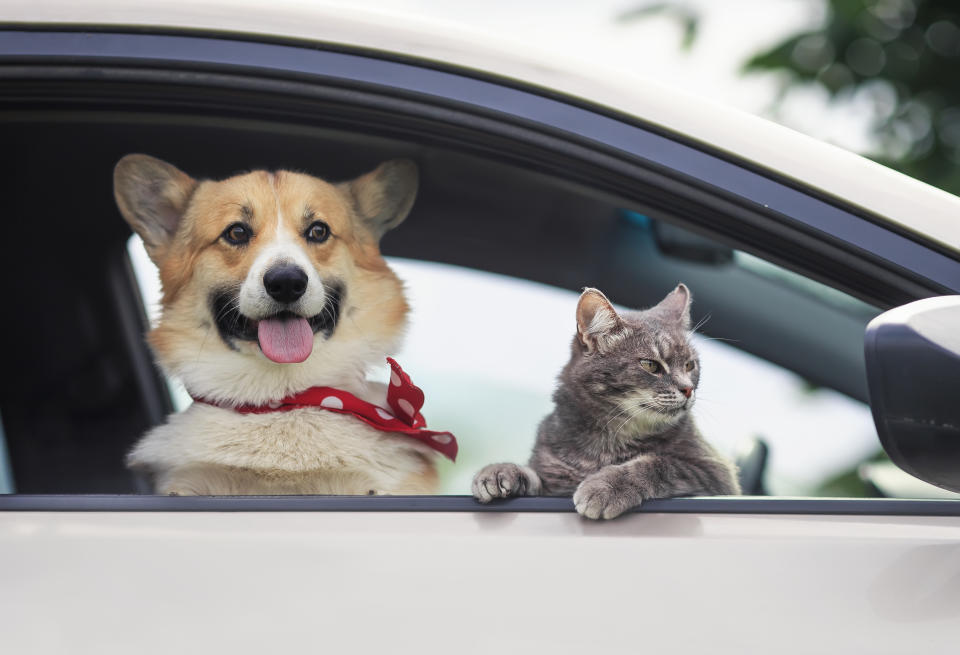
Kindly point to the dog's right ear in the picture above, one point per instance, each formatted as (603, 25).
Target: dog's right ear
(152, 196)
(383, 197)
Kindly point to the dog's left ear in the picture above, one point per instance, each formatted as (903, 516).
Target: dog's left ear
(152, 196)
(384, 196)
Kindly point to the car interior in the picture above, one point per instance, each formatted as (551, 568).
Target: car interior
(79, 384)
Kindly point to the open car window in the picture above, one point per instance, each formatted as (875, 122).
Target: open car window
(491, 384)
(486, 347)
(525, 199)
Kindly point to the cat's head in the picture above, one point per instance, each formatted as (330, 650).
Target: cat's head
(642, 361)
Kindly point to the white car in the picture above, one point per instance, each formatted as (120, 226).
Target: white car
(537, 179)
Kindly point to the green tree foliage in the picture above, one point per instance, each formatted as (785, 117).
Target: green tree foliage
(904, 56)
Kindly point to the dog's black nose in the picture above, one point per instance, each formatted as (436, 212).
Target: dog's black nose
(285, 282)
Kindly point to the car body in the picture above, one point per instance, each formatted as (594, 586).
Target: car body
(238, 84)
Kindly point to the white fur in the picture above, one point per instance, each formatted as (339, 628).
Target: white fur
(200, 450)
(603, 321)
(604, 330)
(285, 247)
(639, 416)
(211, 370)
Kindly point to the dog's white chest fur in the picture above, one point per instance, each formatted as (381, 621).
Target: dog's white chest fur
(210, 450)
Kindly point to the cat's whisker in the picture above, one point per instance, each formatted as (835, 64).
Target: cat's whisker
(631, 409)
(622, 411)
(702, 322)
(638, 408)
(702, 336)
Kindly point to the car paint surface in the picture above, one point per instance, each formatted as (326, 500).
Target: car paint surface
(477, 583)
(896, 198)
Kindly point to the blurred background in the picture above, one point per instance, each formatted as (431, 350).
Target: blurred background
(878, 77)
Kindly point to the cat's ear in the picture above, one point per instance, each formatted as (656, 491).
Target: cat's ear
(598, 323)
(676, 306)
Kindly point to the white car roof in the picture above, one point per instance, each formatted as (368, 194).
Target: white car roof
(902, 200)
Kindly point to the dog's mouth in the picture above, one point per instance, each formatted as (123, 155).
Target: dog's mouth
(285, 337)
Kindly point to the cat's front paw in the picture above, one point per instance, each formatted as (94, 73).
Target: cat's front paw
(504, 481)
(599, 497)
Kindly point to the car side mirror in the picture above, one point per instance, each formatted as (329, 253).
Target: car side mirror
(913, 373)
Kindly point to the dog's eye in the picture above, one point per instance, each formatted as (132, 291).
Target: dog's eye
(650, 366)
(318, 232)
(237, 234)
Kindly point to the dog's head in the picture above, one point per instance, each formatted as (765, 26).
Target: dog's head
(272, 282)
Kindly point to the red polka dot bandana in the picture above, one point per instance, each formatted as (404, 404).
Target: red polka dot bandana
(403, 396)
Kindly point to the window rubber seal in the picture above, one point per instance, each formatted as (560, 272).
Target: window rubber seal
(752, 505)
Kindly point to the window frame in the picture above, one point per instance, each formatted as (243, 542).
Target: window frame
(696, 505)
(874, 251)
(755, 210)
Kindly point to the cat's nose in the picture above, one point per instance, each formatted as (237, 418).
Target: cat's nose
(687, 391)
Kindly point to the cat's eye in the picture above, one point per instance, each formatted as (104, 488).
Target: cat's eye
(237, 234)
(650, 366)
(690, 365)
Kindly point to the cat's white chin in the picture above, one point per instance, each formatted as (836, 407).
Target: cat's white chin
(645, 422)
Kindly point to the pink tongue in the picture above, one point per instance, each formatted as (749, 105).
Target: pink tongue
(285, 340)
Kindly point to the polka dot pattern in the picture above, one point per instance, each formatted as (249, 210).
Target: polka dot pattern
(331, 402)
(406, 407)
(403, 397)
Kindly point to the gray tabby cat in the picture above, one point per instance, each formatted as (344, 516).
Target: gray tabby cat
(621, 430)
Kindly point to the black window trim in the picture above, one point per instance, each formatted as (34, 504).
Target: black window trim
(701, 505)
(828, 220)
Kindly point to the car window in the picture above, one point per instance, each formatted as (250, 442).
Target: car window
(490, 384)
(502, 205)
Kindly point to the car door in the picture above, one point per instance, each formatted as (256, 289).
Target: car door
(94, 572)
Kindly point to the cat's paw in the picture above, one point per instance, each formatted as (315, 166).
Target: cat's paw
(597, 498)
(504, 481)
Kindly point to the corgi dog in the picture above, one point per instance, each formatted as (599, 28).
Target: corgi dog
(273, 283)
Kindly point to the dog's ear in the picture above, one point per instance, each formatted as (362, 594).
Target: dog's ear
(152, 196)
(384, 196)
